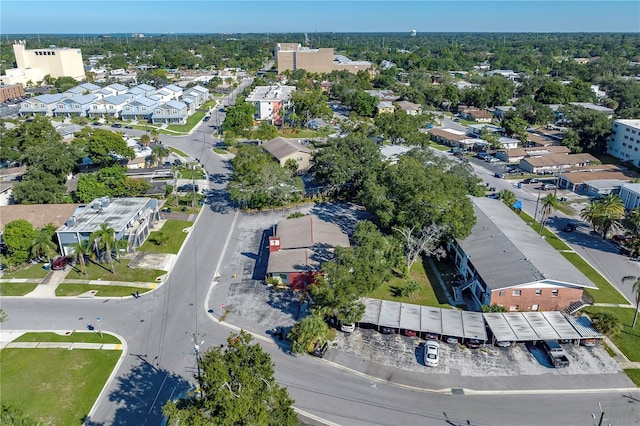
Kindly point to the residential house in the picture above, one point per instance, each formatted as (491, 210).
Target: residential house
(514, 155)
(475, 130)
(172, 112)
(505, 262)
(198, 93)
(76, 106)
(624, 142)
(385, 108)
(383, 95)
(176, 91)
(83, 89)
(556, 163)
(130, 218)
(110, 106)
(287, 149)
(509, 74)
(146, 89)
(42, 105)
(409, 107)
(452, 137)
(299, 247)
(117, 89)
(139, 109)
(500, 112)
(477, 115)
(270, 102)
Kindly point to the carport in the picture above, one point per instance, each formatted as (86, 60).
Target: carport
(583, 327)
(530, 326)
(407, 316)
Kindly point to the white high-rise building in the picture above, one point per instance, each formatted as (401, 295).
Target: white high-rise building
(624, 142)
(35, 64)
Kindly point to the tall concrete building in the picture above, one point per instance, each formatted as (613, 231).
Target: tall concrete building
(293, 56)
(34, 64)
(624, 142)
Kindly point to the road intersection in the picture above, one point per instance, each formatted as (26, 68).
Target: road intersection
(159, 329)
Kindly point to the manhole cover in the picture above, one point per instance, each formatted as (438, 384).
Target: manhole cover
(457, 391)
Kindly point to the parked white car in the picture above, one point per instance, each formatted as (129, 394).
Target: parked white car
(431, 353)
(347, 328)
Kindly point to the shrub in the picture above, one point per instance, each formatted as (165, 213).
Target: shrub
(295, 215)
(159, 238)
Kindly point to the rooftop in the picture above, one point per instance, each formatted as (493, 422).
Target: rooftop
(115, 214)
(281, 148)
(270, 93)
(506, 252)
(560, 159)
(309, 231)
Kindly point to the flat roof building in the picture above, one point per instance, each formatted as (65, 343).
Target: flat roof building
(293, 56)
(130, 218)
(34, 64)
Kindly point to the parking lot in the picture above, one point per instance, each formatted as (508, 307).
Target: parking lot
(256, 307)
(402, 352)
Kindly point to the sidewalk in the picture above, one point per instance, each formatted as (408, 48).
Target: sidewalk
(62, 345)
(47, 287)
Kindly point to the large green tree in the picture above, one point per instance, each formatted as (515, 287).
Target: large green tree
(237, 387)
(19, 236)
(307, 333)
(102, 146)
(308, 105)
(239, 118)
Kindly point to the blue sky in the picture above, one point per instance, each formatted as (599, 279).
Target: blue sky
(225, 16)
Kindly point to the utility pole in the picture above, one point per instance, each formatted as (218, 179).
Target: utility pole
(196, 351)
(535, 214)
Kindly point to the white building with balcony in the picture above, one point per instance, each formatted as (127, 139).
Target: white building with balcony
(624, 142)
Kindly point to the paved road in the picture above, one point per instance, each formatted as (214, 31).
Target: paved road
(160, 362)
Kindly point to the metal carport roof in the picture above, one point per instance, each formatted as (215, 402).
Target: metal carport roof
(431, 319)
(389, 314)
(410, 317)
(520, 326)
(561, 325)
(540, 326)
(473, 326)
(371, 310)
(452, 323)
(583, 326)
(500, 327)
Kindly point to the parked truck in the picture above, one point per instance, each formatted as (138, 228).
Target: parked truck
(556, 354)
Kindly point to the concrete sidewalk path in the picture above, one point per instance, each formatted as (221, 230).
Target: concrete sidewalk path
(62, 345)
(47, 287)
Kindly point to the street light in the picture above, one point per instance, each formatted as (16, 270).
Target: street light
(99, 321)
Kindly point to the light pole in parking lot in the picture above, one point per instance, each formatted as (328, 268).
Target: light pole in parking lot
(535, 213)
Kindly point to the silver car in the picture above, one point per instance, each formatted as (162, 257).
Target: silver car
(431, 353)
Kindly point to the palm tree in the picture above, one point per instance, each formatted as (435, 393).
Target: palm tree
(591, 214)
(104, 239)
(606, 323)
(549, 203)
(636, 293)
(611, 212)
(144, 140)
(158, 153)
(80, 251)
(43, 246)
(155, 135)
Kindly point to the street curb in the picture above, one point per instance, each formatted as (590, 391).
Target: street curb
(112, 376)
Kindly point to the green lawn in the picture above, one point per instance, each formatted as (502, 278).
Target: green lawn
(628, 341)
(173, 229)
(103, 290)
(16, 289)
(634, 375)
(177, 151)
(425, 296)
(55, 386)
(191, 122)
(606, 293)
(220, 151)
(550, 237)
(88, 337)
(28, 270)
(188, 173)
(439, 147)
(97, 271)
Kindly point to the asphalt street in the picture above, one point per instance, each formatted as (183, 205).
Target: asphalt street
(159, 329)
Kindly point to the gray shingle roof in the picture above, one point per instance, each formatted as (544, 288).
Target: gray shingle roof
(281, 147)
(506, 252)
(309, 231)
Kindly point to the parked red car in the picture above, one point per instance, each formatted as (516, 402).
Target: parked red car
(61, 263)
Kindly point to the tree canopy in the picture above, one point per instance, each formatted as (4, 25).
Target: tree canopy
(237, 388)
